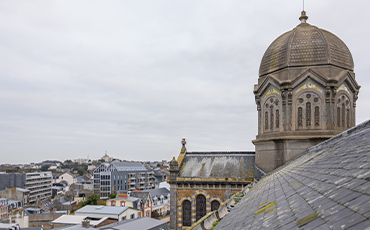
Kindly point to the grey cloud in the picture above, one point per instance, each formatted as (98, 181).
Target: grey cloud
(133, 78)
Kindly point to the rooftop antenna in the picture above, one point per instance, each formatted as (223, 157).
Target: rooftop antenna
(303, 17)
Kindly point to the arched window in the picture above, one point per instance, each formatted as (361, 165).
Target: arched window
(343, 115)
(272, 117)
(266, 120)
(308, 114)
(200, 203)
(277, 119)
(317, 116)
(338, 117)
(186, 213)
(347, 118)
(215, 205)
(300, 117)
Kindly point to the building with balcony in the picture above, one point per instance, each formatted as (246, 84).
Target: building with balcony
(121, 176)
(39, 185)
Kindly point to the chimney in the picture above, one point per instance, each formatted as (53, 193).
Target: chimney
(85, 223)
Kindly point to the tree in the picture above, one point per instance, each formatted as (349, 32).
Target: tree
(67, 161)
(80, 172)
(91, 200)
(112, 195)
(45, 168)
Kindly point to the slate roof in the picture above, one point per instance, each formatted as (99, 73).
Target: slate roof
(129, 166)
(327, 187)
(158, 192)
(140, 194)
(219, 165)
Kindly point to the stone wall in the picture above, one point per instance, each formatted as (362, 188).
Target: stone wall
(220, 192)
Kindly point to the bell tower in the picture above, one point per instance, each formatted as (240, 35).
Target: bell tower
(306, 93)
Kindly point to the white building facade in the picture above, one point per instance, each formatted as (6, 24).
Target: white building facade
(39, 185)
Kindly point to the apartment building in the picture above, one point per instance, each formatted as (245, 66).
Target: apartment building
(121, 176)
(39, 185)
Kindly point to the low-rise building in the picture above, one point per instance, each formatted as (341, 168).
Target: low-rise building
(20, 194)
(142, 204)
(3, 208)
(68, 177)
(144, 223)
(99, 211)
(138, 224)
(73, 220)
(146, 201)
(160, 200)
(14, 204)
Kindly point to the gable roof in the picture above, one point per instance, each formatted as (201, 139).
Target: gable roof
(140, 194)
(219, 165)
(326, 187)
(158, 192)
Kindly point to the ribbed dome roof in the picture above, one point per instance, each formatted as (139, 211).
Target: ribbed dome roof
(306, 45)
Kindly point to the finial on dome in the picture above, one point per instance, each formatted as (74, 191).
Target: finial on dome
(303, 17)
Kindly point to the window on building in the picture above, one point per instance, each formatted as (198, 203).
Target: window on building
(300, 117)
(215, 205)
(200, 203)
(338, 117)
(317, 116)
(132, 216)
(277, 119)
(343, 115)
(186, 213)
(266, 120)
(347, 118)
(272, 117)
(308, 114)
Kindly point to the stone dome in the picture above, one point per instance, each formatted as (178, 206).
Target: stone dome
(306, 45)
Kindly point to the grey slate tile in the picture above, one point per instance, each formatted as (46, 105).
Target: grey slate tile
(322, 184)
(347, 222)
(360, 226)
(313, 225)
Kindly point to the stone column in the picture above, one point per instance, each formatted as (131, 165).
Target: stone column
(258, 103)
(174, 170)
(289, 110)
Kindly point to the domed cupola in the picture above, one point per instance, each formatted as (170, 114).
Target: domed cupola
(306, 93)
(306, 45)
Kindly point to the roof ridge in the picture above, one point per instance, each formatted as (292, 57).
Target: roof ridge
(349, 132)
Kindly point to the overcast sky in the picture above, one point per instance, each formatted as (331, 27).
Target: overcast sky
(134, 77)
